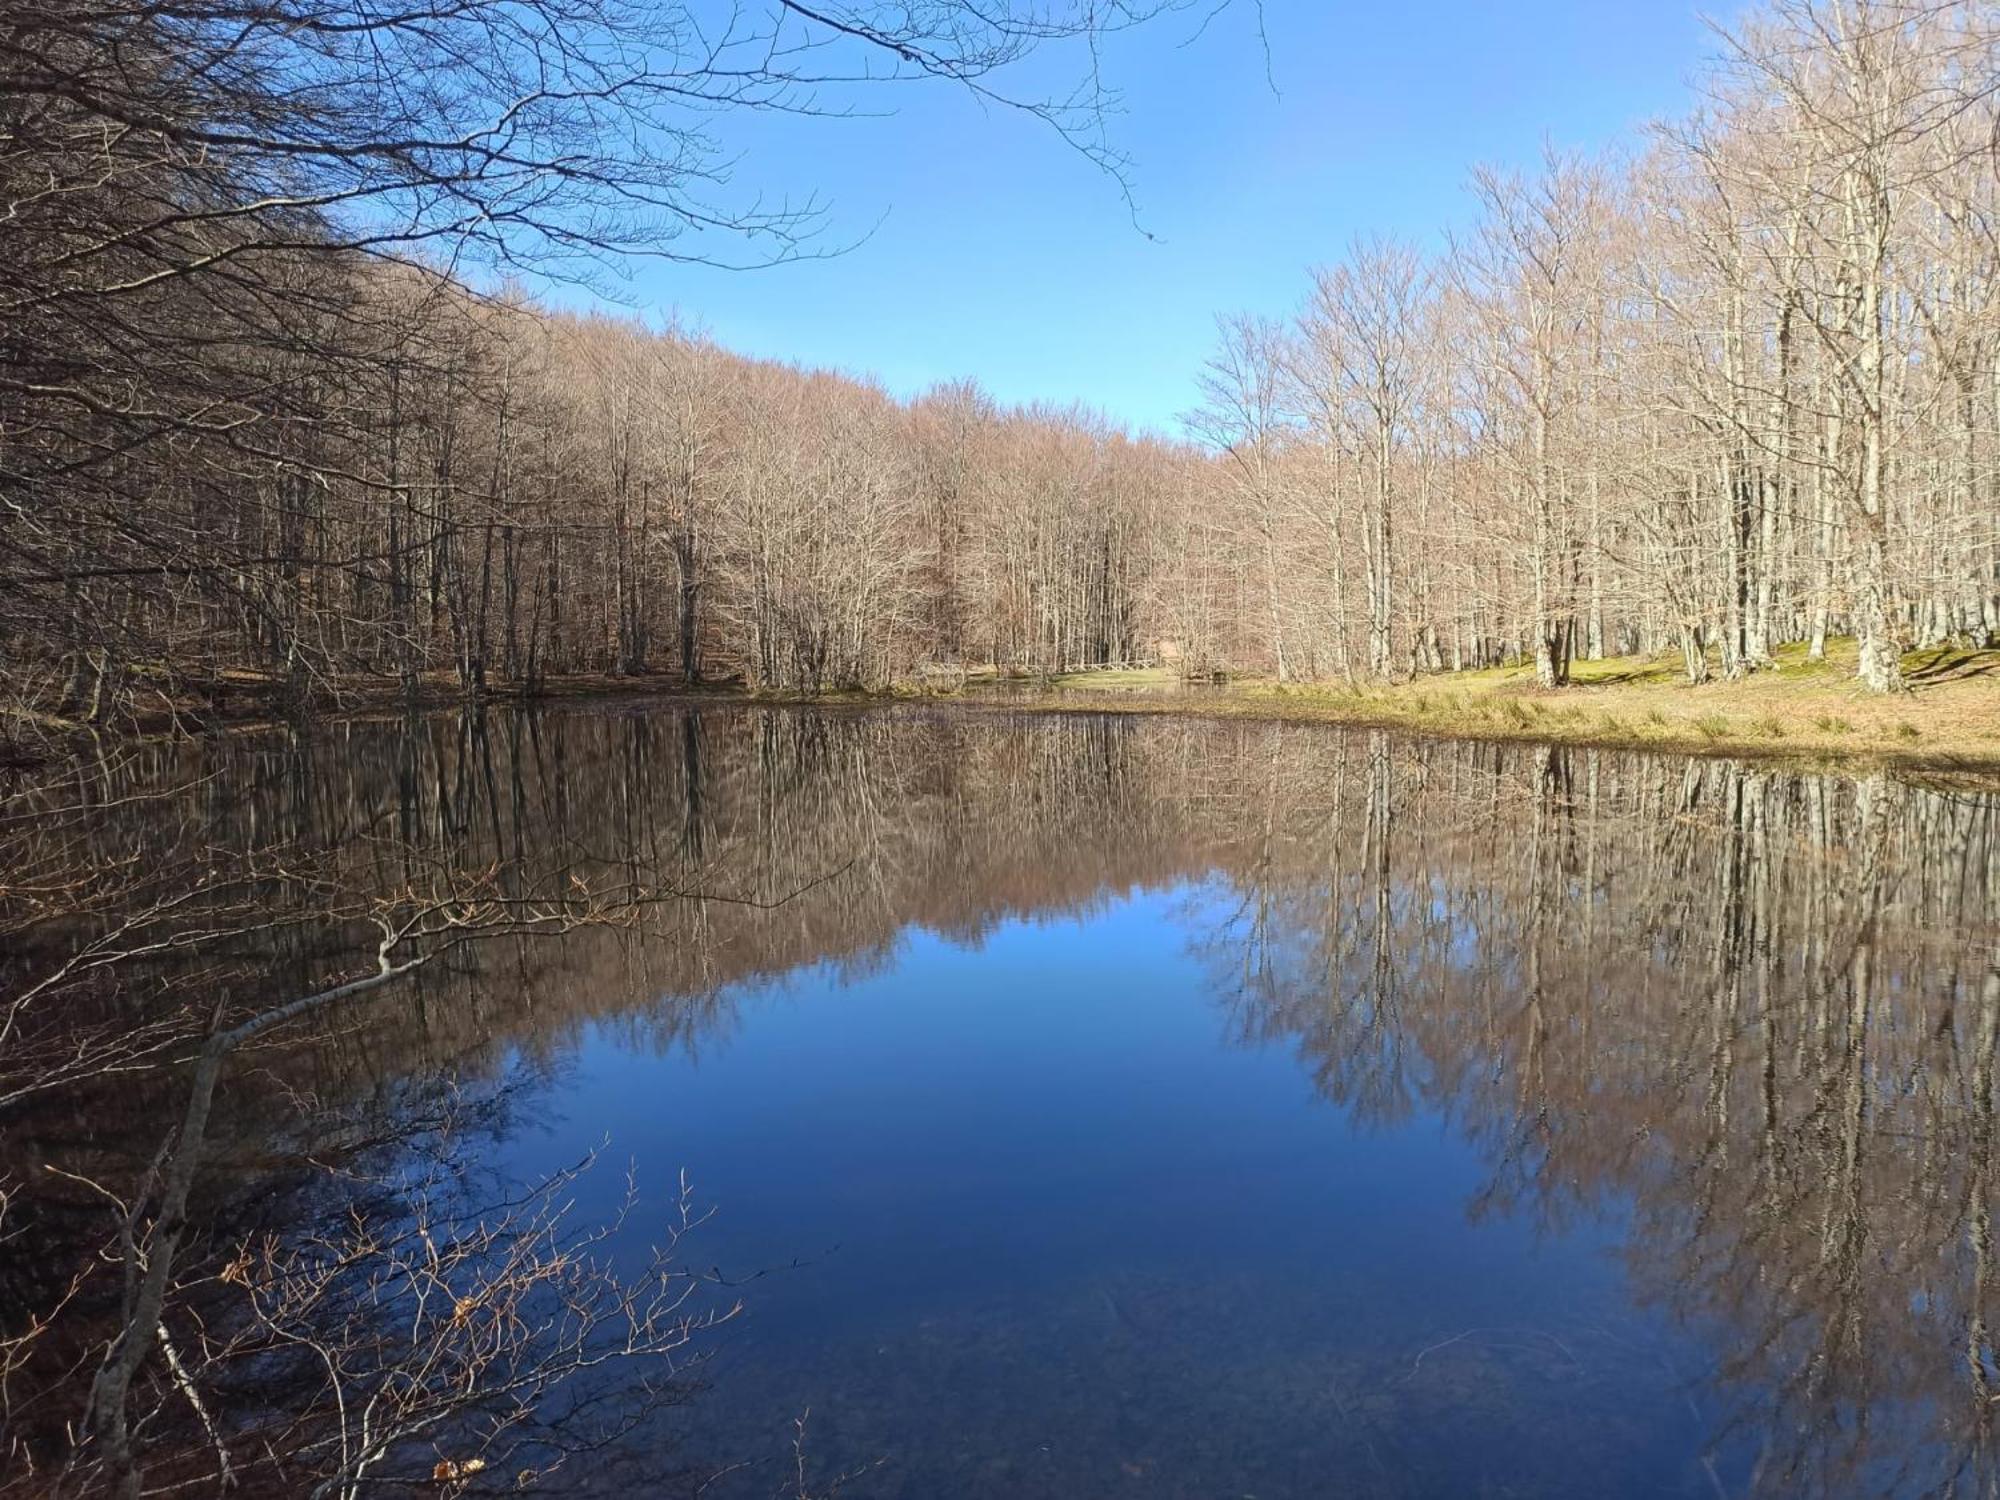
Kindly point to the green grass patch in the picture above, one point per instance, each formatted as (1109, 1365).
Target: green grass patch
(1124, 679)
(1628, 671)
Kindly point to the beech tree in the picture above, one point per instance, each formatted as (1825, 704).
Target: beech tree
(1368, 329)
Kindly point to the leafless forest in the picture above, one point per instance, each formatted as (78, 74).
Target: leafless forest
(272, 415)
(1731, 388)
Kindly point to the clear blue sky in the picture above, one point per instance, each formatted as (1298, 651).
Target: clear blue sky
(1001, 255)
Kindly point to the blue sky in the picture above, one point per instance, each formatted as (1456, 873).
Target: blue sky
(993, 251)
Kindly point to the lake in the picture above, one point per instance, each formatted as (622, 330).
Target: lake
(1140, 1106)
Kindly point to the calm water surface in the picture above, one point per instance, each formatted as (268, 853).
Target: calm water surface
(1134, 1108)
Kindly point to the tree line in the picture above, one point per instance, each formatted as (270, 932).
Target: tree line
(1732, 387)
(274, 412)
(273, 408)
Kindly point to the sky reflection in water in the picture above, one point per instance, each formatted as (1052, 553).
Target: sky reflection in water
(1299, 1174)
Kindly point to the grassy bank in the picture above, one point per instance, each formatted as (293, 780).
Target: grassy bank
(1812, 712)
(1948, 719)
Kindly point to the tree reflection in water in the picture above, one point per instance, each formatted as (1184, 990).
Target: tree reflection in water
(1753, 1010)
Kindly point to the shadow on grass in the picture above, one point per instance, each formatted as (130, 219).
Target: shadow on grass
(1949, 664)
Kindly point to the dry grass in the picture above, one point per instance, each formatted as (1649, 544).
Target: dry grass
(1949, 718)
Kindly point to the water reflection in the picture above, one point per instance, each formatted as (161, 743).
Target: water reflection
(1759, 1006)
(1733, 1025)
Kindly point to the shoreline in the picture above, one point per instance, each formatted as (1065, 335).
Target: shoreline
(1803, 715)
(1562, 727)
